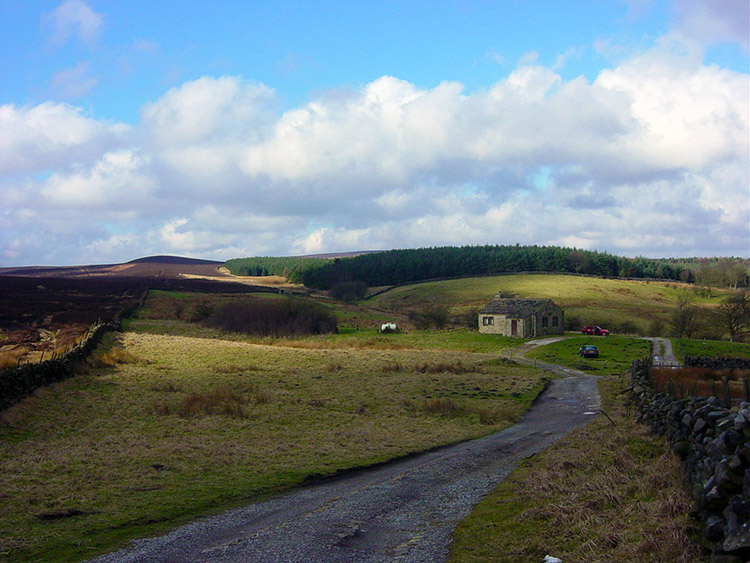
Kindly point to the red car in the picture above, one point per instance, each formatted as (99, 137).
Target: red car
(595, 330)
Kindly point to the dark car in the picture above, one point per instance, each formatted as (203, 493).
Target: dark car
(595, 330)
(588, 351)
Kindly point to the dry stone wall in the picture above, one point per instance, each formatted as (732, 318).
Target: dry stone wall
(20, 382)
(714, 444)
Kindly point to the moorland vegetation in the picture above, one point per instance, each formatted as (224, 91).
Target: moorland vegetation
(174, 418)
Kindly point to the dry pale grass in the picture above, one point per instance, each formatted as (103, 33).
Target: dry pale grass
(10, 358)
(702, 382)
(321, 344)
(196, 424)
(220, 401)
(116, 355)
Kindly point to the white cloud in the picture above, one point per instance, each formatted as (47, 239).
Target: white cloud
(73, 82)
(650, 158)
(119, 180)
(51, 135)
(72, 18)
(712, 21)
(208, 109)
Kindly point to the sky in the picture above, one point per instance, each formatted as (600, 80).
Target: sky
(229, 128)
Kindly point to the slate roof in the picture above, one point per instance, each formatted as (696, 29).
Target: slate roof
(515, 307)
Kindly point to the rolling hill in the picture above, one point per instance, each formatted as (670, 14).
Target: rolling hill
(151, 267)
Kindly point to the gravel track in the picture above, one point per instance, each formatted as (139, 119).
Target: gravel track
(403, 511)
(662, 352)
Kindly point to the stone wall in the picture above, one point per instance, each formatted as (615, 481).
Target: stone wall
(714, 444)
(20, 382)
(716, 363)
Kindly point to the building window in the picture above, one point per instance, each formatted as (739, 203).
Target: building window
(488, 321)
(554, 321)
(544, 321)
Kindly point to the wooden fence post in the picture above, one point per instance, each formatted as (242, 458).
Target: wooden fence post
(727, 395)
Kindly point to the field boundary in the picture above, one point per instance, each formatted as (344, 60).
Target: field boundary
(712, 440)
(18, 383)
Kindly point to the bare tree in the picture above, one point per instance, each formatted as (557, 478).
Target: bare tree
(734, 313)
(685, 319)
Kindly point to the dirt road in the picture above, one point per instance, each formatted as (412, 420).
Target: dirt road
(404, 511)
(662, 353)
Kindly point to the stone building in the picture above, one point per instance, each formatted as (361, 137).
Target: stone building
(522, 318)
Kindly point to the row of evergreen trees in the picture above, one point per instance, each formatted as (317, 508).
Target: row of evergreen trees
(412, 265)
(288, 267)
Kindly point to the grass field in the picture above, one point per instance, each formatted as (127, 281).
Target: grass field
(607, 302)
(616, 353)
(175, 420)
(716, 348)
(171, 427)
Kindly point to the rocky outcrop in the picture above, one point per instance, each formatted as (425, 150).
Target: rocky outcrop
(714, 444)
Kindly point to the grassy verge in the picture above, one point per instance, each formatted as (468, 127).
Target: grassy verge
(610, 492)
(616, 353)
(168, 428)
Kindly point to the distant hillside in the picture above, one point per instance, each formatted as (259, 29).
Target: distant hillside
(151, 267)
(180, 260)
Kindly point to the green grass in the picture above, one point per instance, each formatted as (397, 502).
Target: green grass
(191, 426)
(169, 313)
(716, 348)
(348, 337)
(606, 302)
(616, 353)
(610, 492)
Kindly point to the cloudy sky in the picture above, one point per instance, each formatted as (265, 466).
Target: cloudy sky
(235, 128)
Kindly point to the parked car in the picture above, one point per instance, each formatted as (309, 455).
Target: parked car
(588, 351)
(595, 330)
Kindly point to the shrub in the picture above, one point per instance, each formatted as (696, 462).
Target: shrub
(202, 311)
(273, 317)
(656, 328)
(437, 316)
(573, 322)
(349, 291)
(625, 327)
(470, 319)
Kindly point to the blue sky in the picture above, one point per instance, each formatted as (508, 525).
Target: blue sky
(231, 129)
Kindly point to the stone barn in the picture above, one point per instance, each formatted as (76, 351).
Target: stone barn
(522, 318)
